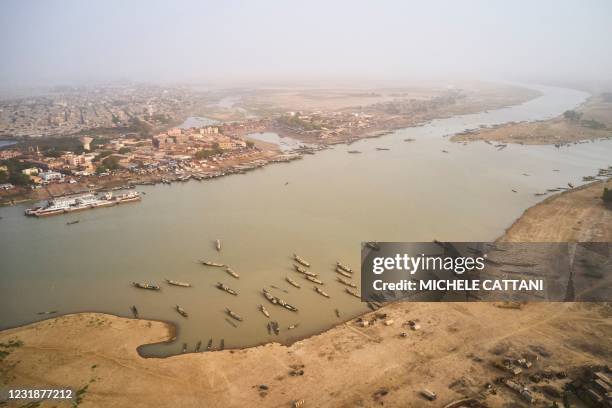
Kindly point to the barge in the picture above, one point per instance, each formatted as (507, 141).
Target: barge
(89, 201)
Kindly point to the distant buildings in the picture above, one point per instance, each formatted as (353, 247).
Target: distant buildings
(78, 160)
(190, 141)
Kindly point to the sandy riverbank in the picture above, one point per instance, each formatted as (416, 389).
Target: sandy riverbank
(452, 353)
(594, 122)
(577, 215)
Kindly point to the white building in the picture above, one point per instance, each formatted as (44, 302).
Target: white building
(51, 176)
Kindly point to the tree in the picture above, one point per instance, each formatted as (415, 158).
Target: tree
(124, 150)
(250, 144)
(4, 177)
(572, 115)
(101, 169)
(52, 153)
(204, 154)
(102, 155)
(607, 195)
(111, 163)
(141, 127)
(19, 179)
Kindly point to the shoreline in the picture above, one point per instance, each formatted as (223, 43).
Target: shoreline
(173, 327)
(99, 353)
(270, 155)
(588, 122)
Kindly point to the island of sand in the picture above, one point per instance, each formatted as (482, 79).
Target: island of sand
(590, 121)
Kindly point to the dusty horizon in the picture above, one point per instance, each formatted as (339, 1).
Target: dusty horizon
(75, 43)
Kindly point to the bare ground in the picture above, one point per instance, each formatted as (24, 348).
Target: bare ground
(595, 123)
(346, 366)
(577, 215)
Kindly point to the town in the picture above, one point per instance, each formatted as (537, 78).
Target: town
(93, 163)
(73, 140)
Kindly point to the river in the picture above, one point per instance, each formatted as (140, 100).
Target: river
(5, 143)
(321, 207)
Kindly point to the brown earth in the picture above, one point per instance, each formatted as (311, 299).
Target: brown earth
(595, 123)
(577, 215)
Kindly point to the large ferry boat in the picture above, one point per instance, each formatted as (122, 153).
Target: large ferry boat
(82, 202)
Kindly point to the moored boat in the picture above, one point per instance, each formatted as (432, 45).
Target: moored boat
(293, 326)
(64, 205)
(346, 282)
(211, 263)
(352, 292)
(299, 268)
(287, 305)
(264, 311)
(145, 286)
(304, 271)
(274, 327)
(343, 272)
(181, 311)
(177, 283)
(209, 345)
(198, 346)
(218, 244)
(231, 272)
(233, 315)
(278, 301)
(373, 245)
(321, 292)
(344, 267)
(292, 282)
(315, 280)
(225, 288)
(300, 260)
(272, 299)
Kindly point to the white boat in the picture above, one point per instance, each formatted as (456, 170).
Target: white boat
(88, 201)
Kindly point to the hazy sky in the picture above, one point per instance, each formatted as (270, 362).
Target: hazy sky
(50, 42)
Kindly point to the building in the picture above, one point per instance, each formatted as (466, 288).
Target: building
(209, 130)
(48, 176)
(226, 145)
(175, 132)
(86, 141)
(78, 160)
(32, 171)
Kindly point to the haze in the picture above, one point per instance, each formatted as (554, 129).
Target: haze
(66, 42)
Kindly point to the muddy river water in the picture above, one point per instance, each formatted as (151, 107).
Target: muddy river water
(321, 207)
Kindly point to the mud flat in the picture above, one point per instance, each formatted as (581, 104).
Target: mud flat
(96, 353)
(577, 215)
(590, 121)
(453, 352)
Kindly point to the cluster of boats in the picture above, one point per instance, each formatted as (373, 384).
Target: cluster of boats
(345, 274)
(340, 268)
(278, 301)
